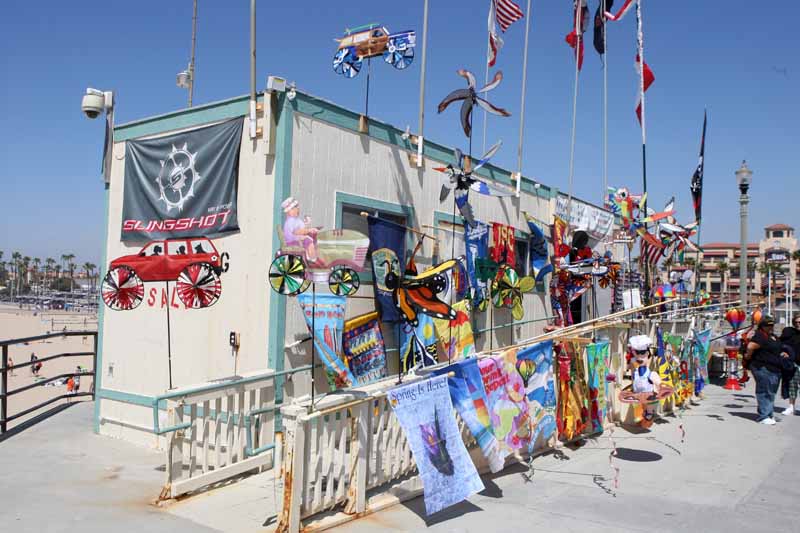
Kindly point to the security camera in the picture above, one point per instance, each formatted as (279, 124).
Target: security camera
(95, 102)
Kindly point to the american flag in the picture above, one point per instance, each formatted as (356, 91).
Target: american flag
(651, 254)
(506, 12)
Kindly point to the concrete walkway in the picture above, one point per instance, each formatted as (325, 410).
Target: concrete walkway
(730, 474)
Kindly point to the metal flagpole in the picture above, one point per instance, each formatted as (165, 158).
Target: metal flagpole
(579, 34)
(640, 51)
(605, 108)
(522, 98)
(169, 337)
(420, 135)
(191, 61)
(486, 77)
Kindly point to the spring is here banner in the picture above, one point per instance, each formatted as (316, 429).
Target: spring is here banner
(325, 312)
(597, 355)
(425, 412)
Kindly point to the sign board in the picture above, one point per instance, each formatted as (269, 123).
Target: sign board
(595, 221)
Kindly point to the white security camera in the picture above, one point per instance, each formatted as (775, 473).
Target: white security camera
(95, 102)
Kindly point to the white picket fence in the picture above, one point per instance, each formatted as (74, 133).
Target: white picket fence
(217, 431)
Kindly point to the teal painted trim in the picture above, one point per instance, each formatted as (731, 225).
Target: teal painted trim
(128, 397)
(184, 118)
(101, 314)
(281, 189)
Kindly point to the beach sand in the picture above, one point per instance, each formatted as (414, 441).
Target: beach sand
(18, 323)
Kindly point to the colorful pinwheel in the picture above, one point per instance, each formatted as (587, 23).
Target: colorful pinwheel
(471, 98)
(507, 289)
(461, 181)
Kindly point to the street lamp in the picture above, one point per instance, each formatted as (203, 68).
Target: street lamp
(743, 177)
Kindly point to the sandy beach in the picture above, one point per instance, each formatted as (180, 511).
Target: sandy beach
(18, 323)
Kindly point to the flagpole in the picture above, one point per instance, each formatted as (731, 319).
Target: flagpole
(640, 46)
(605, 108)
(486, 77)
(420, 135)
(579, 35)
(522, 97)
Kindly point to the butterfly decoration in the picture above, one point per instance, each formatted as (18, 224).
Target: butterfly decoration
(470, 99)
(436, 446)
(507, 289)
(417, 293)
(461, 180)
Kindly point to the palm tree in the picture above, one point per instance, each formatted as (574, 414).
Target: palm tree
(16, 258)
(71, 267)
(49, 263)
(89, 269)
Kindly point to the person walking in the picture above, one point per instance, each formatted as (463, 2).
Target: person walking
(790, 336)
(763, 358)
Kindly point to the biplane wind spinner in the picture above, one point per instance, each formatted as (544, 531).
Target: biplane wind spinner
(470, 99)
(460, 181)
(373, 40)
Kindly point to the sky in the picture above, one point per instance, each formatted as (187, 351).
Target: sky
(734, 59)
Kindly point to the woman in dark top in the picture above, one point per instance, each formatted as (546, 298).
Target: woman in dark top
(763, 356)
(790, 336)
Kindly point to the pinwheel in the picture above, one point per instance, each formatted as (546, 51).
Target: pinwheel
(507, 289)
(471, 98)
(461, 181)
(664, 290)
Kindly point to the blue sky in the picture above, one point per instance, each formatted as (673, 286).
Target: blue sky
(735, 58)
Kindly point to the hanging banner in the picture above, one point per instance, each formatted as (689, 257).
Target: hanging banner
(503, 244)
(326, 311)
(469, 399)
(535, 367)
(364, 349)
(700, 347)
(597, 354)
(502, 411)
(595, 221)
(477, 247)
(520, 436)
(418, 344)
(425, 412)
(462, 343)
(540, 264)
(182, 185)
(387, 244)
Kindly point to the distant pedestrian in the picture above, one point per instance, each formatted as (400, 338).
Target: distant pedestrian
(764, 359)
(11, 365)
(70, 385)
(77, 380)
(790, 336)
(35, 365)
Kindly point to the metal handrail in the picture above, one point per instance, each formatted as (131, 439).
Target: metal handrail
(5, 368)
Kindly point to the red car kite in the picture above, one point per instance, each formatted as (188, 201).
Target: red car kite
(193, 263)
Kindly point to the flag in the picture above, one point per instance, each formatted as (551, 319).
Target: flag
(559, 233)
(507, 13)
(651, 254)
(600, 26)
(504, 13)
(649, 78)
(697, 178)
(495, 42)
(387, 249)
(622, 11)
(575, 37)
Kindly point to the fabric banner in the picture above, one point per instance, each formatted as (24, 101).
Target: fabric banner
(540, 264)
(477, 247)
(364, 349)
(462, 344)
(595, 221)
(503, 244)
(418, 344)
(182, 185)
(573, 417)
(702, 341)
(535, 366)
(469, 399)
(520, 436)
(425, 412)
(502, 411)
(387, 244)
(325, 313)
(597, 354)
